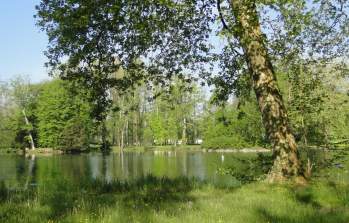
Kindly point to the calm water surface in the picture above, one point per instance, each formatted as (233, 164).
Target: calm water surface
(23, 172)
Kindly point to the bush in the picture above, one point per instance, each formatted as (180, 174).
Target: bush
(232, 127)
(74, 136)
(222, 142)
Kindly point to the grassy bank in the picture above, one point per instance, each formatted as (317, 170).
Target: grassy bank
(151, 199)
(44, 151)
(179, 201)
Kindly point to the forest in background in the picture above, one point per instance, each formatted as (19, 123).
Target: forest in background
(57, 114)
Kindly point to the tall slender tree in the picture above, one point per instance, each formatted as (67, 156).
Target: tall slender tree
(23, 96)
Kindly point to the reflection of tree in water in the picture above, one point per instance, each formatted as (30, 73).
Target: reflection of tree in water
(20, 167)
(126, 166)
(7, 167)
(107, 168)
(18, 172)
(31, 172)
(196, 166)
(93, 161)
(183, 160)
(25, 171)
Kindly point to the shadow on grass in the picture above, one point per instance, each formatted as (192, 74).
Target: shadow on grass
(321, 216)
(322, 202)
(58, 200)
(143, 197)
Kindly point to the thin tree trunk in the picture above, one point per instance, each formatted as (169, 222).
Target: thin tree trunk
(31, 141)
(286, 161)
(126, 132)
(184, 132)
(137, 127)
(304, 132)
(122, 140)
(122, 144)
(104, 132)
(112, 130)
(195, 136)
(134, 129)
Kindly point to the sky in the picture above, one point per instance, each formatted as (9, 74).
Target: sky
(21, 42)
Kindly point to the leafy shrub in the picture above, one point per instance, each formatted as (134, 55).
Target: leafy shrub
(232, 127)
(74, 136)
(221, 142)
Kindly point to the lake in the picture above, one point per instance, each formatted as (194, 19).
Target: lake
(19, 172)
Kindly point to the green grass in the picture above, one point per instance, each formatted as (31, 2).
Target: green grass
(180, 201)
(151, 199)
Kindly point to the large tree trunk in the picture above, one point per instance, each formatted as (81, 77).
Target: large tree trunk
(286, 160)
(31, 141)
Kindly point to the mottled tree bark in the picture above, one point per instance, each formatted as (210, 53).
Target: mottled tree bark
(274, 115)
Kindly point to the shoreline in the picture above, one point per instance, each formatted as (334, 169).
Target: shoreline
(196, 148)
(244, 150)
(156, 149)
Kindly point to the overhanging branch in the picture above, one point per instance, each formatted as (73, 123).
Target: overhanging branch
(225, 26)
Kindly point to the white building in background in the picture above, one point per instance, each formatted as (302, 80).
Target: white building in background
(198, 141)
(179, 142)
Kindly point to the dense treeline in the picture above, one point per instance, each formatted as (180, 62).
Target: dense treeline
(47, 114)
(157, 116)
(57, 114)
(60, 116)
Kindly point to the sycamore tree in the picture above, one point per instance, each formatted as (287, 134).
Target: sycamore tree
(156, 39)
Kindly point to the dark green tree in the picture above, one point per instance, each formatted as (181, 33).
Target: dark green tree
(63, 117)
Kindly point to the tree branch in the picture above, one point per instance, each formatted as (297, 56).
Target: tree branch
(225, 26)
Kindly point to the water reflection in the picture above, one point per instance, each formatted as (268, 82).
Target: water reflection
(30, 180)
(24, 172)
